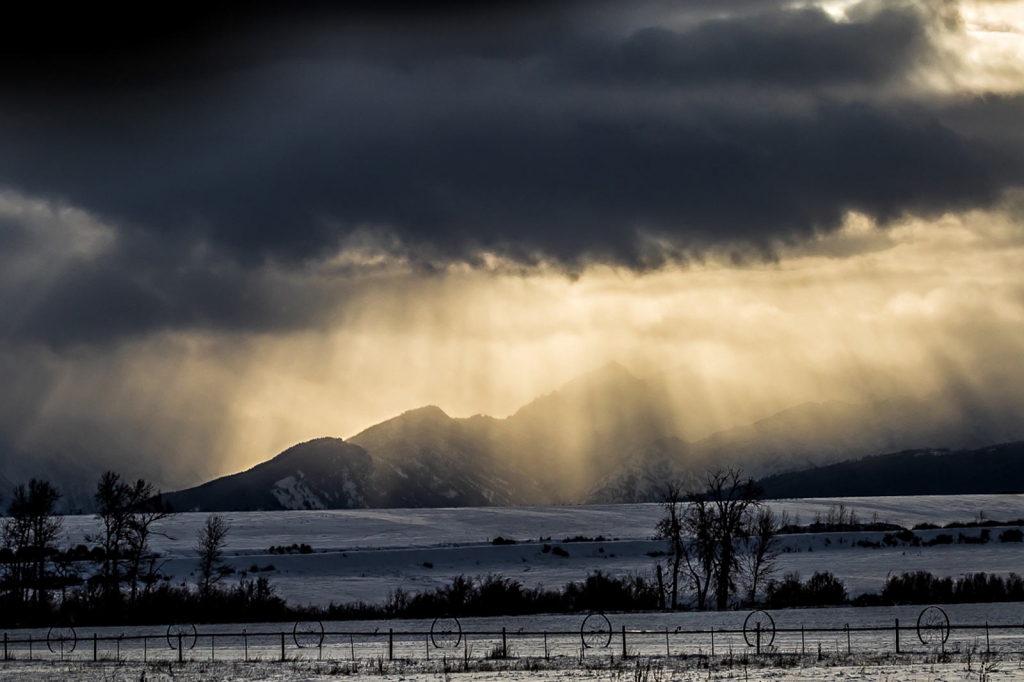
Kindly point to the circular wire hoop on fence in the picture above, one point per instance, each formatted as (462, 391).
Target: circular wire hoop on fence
(933, 626)
(308, 634)
(182, 632)
(446, 632)
(61, 640)
(596, 631)
(767, 628)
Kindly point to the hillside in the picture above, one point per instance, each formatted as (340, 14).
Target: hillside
(325, 473)
(991, 470)
(802, 437)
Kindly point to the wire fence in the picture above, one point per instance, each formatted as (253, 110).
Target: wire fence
(597, 636)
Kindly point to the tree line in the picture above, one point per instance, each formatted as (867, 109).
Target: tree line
(115, 575)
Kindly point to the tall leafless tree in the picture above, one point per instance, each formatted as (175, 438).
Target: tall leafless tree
(671, 529)
(211, 540)
(31, 531)
(127, 512)
(707, 533)
(761, 553)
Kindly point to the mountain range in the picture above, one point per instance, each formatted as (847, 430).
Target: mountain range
(606, 437)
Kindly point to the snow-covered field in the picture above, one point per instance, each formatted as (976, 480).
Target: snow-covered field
(364, 554)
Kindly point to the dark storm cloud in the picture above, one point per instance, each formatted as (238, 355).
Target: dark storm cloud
(797, 48)
(563, 131)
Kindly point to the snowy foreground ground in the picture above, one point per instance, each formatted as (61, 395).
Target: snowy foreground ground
(364, 554)
(657, 652)
(851, 671)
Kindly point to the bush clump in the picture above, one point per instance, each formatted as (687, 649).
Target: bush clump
(1011, 535)
(821, 589)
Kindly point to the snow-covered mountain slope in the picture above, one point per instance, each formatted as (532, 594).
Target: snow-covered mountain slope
(326, 473)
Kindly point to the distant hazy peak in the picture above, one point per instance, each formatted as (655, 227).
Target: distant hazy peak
(611, 372)
(426, 412)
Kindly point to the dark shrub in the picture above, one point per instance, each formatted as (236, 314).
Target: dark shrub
(821, 589)
(941, 539)
(1011, 535)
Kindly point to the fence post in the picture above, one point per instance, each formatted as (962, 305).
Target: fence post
(849, 646)
(352, 646)
(426, 643)
(803, 642)
(624, 654)
(988, 649)
(759, 638)
(94, 647)
(245, 643)
(668, 652)
(391, 644)
(504, 643)
(5, 647)
(282, 647)
(181, 654)
(897, 635)
(30, 647)
(213, 649)
(545, 644)
(712, 641)
(145, 648)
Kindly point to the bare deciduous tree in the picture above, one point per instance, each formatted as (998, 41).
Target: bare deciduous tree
(708, 534)
(761, 553)
(671, 529)
(30, 532)
(211, 540)
(127, 512)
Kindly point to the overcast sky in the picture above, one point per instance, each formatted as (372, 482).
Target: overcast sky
(229, 229)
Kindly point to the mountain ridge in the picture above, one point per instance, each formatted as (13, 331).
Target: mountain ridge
(606, 436)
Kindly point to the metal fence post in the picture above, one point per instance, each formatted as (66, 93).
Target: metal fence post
(668, 652)
(282, 647)
(352, 647)
(624, 653)
(391, 644)
(504, 644)
(30, 647)
(803, 642)
(849, 646)
(181, 654)
(897, 635)
(759, 638)
(988, 649)
(245, 644)
(213, 648)
(94, 648)
(5, 647)
(545, 644)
